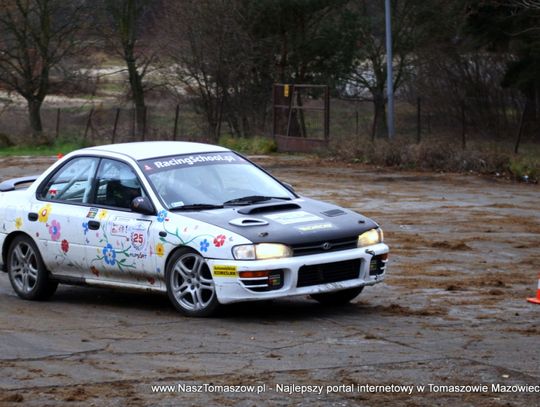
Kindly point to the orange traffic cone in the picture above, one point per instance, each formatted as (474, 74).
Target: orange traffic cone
(537, 299)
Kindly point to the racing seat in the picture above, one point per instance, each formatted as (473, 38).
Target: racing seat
(119, 195)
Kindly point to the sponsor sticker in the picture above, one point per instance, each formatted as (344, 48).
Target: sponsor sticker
(315, 227)
(183, 161)
(134, 231)
(287, 218)
(224, 271)
(92, 213)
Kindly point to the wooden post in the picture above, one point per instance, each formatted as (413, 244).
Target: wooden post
(145, 111)
(356, 117)
(327, 114)
(133, 114)
(418, 120)
(57, 123)
(463, 126)
(520, 131)
(274, 112)
(88, 124)
(374, 125)
(291, 95)
(117, 116)
(176, 114)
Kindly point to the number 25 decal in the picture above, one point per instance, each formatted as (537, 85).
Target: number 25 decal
(137, 240)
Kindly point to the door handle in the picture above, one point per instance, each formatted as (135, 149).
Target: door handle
(32, 216)
(93, 224)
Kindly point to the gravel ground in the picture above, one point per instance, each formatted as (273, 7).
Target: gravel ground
(452, 313)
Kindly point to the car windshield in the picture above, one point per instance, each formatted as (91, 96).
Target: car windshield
(210, 180)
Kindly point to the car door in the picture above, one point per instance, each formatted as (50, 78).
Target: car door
(119, 251)
(57, 216)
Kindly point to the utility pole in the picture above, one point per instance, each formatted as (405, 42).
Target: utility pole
(389, 71)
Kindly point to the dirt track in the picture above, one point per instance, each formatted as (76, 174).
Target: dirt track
(464, 255)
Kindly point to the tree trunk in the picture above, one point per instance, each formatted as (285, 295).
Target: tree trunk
(379, 116)
(137, 93)
(34, 112)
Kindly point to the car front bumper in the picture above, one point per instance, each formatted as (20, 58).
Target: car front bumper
(301, 275)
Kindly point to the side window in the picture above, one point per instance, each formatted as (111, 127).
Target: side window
(72, 183)
(117, 184)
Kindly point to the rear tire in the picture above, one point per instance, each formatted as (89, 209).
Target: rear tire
(27, 272)
(338, 297)
(190, 286)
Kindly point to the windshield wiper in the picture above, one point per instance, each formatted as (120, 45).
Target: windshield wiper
(195, 207)
(246, 200)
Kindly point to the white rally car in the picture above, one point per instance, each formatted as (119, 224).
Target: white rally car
(197, 221)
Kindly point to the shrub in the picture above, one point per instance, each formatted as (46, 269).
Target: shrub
(252, 145)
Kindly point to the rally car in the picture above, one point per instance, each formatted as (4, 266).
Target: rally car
(199, 222)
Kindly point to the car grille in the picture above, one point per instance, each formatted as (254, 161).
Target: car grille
(328, 273)
(325, 246)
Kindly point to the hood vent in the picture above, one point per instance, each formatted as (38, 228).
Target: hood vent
(334, 212)
(268, 208)
(244, 222)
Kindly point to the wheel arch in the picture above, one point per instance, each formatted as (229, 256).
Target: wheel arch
(7, 242)
(173, 251)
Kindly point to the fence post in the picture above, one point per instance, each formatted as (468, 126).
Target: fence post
(133, 114)
(145, 111)
(88, 124)
(176, 114)
(57, 122)
(520, 131)
(418, 120)
(115, 125)
(356, 116)
(463, 126)
(327, 114)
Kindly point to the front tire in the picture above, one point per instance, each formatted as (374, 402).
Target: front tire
(190, 286)
(27, 272)
(338, 297)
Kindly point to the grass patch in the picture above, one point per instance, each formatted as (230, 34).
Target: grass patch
(485, 158)
(63, 146)
(253, 145)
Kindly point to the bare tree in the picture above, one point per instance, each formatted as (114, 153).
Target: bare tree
(367, 79)
(124, 33)
(213, 61)
(35, 36)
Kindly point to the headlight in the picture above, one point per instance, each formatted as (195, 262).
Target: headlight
(372, 236)
(261, 251)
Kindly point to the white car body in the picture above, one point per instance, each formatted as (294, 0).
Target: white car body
(131, 250)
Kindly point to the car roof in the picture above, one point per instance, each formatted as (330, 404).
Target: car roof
(151, 149)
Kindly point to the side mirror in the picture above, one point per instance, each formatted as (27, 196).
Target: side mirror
(288, 186)
(142, 205)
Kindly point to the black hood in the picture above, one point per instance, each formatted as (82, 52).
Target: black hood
(295, 222)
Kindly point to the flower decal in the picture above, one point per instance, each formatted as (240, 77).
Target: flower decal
(109, 255)
(44, 212)
(94, 271)
(219, 240)
(64, 246)
(162, 215)
(102, 214)
(18, 223)
(203, 245)
(54, 230)
(85, 227)
(160, 249)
